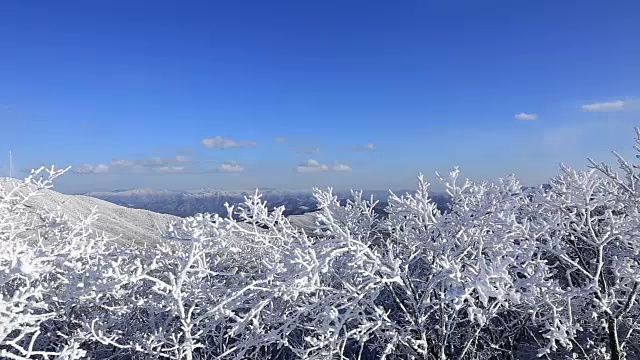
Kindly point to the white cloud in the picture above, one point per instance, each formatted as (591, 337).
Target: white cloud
(280, 139)
(171, 169)
(526, 116)
(157, 161)
(220, 142)
(312, 166)
(82, 169)
(367, 147)
(604, 106)
(122, 162)
(309, 151)
(341, 167)
(231, 167)
(153, 162)
(90, 169)
(101, 169)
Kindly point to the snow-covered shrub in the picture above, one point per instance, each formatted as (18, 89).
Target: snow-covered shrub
(50, 274)
(505, 272)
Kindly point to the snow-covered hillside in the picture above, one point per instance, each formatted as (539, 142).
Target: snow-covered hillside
(130, 225)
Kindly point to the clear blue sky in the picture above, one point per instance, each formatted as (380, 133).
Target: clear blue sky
(367, 93)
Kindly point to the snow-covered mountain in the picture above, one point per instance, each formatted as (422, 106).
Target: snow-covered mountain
(191, 202)
(129, 225)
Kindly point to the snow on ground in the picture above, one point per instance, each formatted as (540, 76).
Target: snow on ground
(130, 225)
(306, 222)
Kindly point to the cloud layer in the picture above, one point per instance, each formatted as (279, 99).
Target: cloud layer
(308, 151)
(155, 161)
(220, 142)
(179, 164)
(231, 167)
(526, 116)
(122, 162)
(90, 169)
(365, 147)
(171, 169)
(341, 167)
(604, 106)
(313, 166)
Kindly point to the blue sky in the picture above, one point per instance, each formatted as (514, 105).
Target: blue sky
(367, 94)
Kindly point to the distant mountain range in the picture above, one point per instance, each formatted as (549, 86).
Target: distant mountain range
(191, 202)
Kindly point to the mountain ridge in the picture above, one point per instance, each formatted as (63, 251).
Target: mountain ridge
(190, 202)
(128, 225)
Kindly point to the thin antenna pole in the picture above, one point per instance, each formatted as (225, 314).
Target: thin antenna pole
(10, 164)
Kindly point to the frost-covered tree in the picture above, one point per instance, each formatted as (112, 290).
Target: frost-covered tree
(47, 273)
(588, 224)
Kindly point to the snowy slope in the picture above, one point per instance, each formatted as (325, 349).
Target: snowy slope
(130, 225)
(306, 222)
